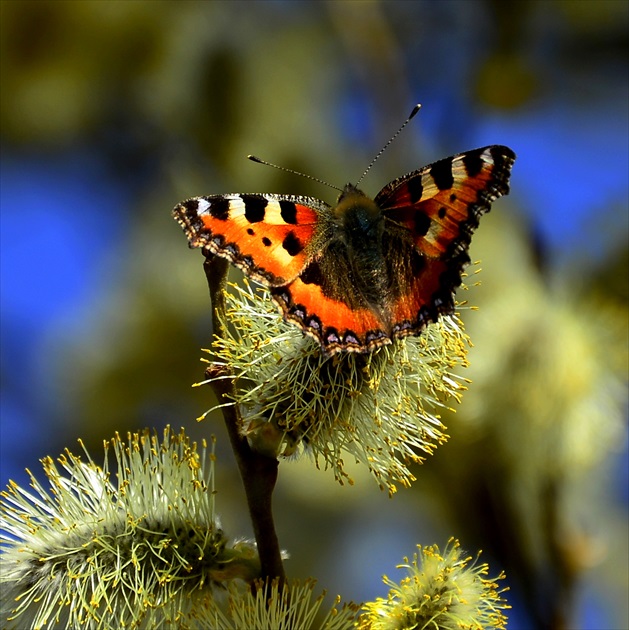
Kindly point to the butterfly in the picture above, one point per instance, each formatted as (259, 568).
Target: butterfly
(359, 274)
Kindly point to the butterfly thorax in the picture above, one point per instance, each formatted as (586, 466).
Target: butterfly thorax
(358, 239)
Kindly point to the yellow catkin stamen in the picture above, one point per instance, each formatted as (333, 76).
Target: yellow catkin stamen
(382, 408)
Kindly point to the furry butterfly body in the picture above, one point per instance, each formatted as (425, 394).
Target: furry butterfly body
(366, 271)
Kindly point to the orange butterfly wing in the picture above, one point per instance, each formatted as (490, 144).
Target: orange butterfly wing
(332, 322)
(268, 236)
(440, 206)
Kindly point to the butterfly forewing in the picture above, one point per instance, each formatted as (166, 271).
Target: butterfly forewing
(441, 203)
(267, 236)
(439, 206)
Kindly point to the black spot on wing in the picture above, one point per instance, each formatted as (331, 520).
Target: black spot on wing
(473, 163)
(441, 172)
(219, 208)
(288, 210)
(292, 244)
(254, 207)
(266, 241)
(442, 212)
(191, 205)
(312, 274)
(415, 189)
(421, 223)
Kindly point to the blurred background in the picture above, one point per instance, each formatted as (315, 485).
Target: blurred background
(112, 112)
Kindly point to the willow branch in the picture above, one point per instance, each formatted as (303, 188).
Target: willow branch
(258, 472)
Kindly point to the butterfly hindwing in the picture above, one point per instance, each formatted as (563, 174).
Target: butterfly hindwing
(332, 322)
(329, 303)
(267, 236)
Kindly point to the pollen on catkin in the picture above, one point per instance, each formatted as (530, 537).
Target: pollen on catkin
(382, 408)
(289, 606)
(139, 551)
(441, 591)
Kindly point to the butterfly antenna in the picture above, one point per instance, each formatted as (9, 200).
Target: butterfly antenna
(395, 135)
(253, 158)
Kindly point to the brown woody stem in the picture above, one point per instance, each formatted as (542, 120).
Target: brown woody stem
(258, 472)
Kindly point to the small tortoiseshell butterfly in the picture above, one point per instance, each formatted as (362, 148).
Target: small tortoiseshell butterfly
(357, 275)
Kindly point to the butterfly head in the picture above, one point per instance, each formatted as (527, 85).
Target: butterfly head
(352, 200)
(349, 190)
(359, 218)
